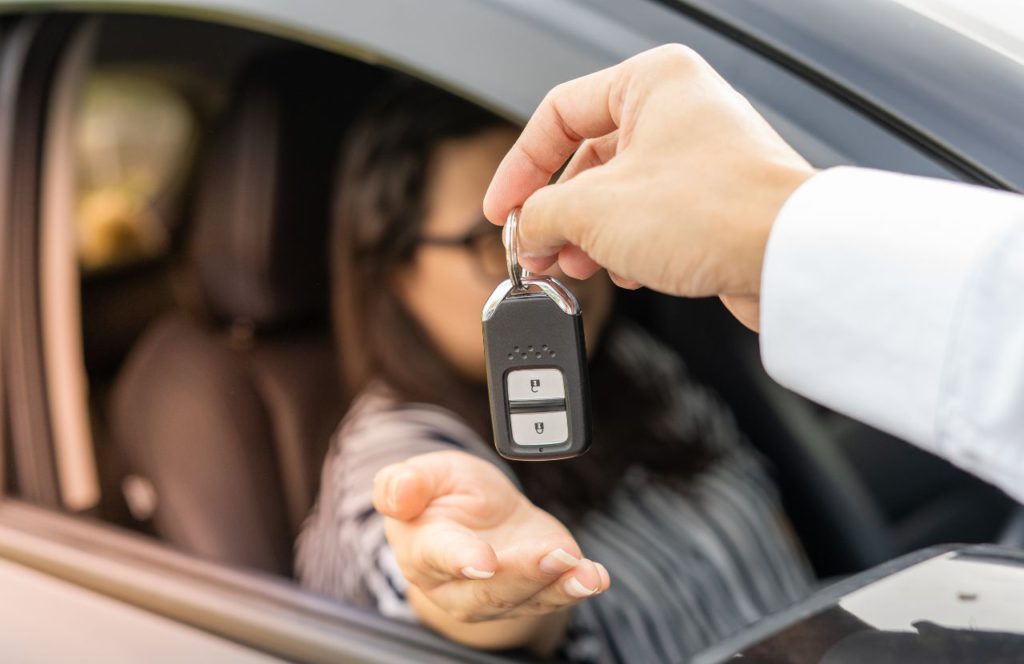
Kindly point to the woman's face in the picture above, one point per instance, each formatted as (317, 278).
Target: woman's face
(445, 286)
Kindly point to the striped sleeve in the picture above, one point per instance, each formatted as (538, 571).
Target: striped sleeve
(342, 551)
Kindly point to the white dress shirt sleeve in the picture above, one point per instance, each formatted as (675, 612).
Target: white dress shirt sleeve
(899, 301)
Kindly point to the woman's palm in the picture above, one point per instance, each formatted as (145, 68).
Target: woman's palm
(468, 539)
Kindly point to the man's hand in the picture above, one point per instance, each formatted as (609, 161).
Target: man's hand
(474, 549)
(674, 184)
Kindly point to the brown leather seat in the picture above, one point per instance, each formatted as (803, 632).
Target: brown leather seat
(228, 414)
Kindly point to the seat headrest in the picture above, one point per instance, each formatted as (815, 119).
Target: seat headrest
(263, 198)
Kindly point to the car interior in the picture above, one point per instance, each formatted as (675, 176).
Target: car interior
(199, 337)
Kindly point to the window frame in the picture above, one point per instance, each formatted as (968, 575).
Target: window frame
(30, 59)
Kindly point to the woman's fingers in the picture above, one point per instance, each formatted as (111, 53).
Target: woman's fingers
(606, 579)
(475, 601)
(523, 572)
(587, 580)
(433, 554)
(463, 575)
(464, 537)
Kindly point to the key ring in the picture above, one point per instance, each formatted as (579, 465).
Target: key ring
(516, 273)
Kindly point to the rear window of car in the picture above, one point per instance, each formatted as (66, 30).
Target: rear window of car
(135, 140)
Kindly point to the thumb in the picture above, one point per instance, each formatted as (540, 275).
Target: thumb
(552, 218)
(403, 490)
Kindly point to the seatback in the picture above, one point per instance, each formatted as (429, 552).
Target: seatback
(226, 412)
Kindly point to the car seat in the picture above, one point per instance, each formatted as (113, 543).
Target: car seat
(225, 414)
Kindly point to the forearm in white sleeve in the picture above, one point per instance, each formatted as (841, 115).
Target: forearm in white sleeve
(899, 301)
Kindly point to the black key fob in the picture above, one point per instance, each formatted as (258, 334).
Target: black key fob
(537, 370)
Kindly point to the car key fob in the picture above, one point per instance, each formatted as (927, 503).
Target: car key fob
(537, 373)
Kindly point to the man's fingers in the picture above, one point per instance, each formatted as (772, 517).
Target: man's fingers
(593, 152)
(538, 264)
(575, 263)
(553, 218)
(746, 309)
(572, 261)
(622, 282)
(599, 107)
(432, 554)
(586, 107)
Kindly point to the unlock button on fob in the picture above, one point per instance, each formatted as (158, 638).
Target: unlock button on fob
(545, 428)
(535, 385)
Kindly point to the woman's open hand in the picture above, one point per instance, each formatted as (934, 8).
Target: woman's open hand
(476, 549)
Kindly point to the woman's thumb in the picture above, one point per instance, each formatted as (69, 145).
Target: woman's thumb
(403, 490)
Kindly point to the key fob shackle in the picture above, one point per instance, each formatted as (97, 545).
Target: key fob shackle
(537, 375)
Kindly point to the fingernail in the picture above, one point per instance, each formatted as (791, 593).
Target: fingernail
(603, 571)
(577, 589)
(558, 561)
(394, 487)
(474, 573)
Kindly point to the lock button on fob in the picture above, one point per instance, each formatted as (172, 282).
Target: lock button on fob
(544, 428)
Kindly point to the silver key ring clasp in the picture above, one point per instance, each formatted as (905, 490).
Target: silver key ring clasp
(516, 273)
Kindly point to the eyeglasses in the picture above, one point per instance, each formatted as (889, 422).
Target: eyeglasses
(483, 241)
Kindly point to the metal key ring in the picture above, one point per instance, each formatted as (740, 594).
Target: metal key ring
(516, 273)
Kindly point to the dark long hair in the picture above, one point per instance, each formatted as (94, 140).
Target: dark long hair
(379, 212)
